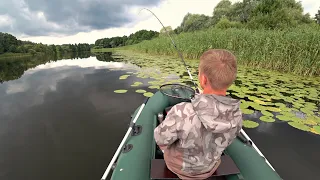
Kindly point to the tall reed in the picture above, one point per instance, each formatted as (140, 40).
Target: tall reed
(293, 50)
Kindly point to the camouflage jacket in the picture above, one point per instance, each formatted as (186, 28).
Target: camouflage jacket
(194, 135)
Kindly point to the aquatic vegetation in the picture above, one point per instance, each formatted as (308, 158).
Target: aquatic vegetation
(153, 87)
(249, 124)
(284, 118)
(282, 97)
(247, 111)
(316, 129)
(266, 113)
(140, 91)
(120, 91)
(135, 84)
(267, 119)
(124, 76)
(148, 94)
(299, 126)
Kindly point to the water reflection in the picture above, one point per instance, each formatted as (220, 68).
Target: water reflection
(13, 67)
(61, 119)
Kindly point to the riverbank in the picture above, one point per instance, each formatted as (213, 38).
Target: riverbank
(14, 55)
(293, 51)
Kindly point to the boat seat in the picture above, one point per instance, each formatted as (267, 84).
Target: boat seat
(159, 169)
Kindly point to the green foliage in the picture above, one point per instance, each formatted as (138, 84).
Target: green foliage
(134, 38)
(224, 23)
(278, 14)
(222, 10)
(193, 22)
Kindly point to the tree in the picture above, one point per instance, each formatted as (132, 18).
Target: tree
(317, 17)
(277, 14)
(164, 31)
(222, 9)
(193, 22)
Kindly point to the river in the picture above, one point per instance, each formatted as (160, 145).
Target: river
(61, 119)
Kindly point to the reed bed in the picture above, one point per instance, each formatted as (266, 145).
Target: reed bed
(293, 51)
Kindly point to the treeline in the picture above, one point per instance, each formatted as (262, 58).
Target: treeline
(134, 38)
(10, 44)
(250, 14)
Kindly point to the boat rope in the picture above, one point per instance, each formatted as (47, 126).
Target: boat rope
(123, 141)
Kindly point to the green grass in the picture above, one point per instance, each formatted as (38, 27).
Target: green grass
(295, 51)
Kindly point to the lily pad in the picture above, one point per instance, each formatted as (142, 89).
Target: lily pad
(273, 109)
(316, 129)
(124, 76)
(266, 113)
(148, 94)
(250, 124)
(120, 91)
(153, 87)
(141, 91)
(260, 102)
(267, 119)
(283, 118)
(299, 126)
(247, 111)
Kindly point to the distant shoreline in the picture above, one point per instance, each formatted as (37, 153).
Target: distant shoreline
(15, 55)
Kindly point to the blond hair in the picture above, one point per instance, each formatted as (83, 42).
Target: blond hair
(220, 67)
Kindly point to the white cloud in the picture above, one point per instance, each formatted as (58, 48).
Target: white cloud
(5, 20)
(170, 12)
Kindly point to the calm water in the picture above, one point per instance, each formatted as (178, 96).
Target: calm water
(62, 120)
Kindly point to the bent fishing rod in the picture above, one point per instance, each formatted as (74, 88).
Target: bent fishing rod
(175, 46)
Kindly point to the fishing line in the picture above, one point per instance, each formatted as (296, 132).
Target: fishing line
(175, 46)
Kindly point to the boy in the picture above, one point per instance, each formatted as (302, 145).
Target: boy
(194, 135)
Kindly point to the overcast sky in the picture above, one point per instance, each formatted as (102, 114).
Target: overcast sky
(84, 21)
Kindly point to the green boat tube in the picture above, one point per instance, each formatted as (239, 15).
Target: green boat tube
(134, 160)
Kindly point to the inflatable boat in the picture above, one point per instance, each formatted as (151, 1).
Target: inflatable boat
(139, 158)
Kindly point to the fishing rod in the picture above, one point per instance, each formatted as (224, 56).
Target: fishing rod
(175, 46)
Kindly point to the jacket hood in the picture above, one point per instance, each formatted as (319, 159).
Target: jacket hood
(217, 113)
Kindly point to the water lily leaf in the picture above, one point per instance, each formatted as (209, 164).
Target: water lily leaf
(310, 122)
(250, 124)
(247, 111)
(120, 91)
(148, 94)
(244, 105)
(153, 87)
(283, 118)
(267, 119)
(258, 107)
(141, 91)
(316, 129)
(124, 76)
(280, 105)
(299, 126)
(252, 98)
(273, 109)
(266, 113)
(306, 111)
